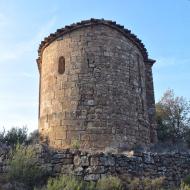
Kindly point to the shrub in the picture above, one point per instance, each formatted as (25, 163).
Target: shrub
(69, 182)
(186, 181)
(33, 137)
(184, 186)
(146, 183)
(2, 136)
(65, 182)
(75, 144)
(108, 183)
(24, 168)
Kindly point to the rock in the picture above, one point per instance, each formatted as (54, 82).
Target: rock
(92, 177)
(96, 170)
(78, 171)
(67, 169)
(94, 160)
(14, 186)
(7, 186)
(148, 158)
(82, 161)
(57, 168)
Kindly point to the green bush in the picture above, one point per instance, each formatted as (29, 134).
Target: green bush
(14, 136)
(184, 186)
(72, 183)
(146, 183)
(24, 167)
(69, 183)
(75, 144)
(108, 183)
(186, 181)
(33, 137)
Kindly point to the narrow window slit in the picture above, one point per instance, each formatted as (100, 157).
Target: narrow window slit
(61, 65)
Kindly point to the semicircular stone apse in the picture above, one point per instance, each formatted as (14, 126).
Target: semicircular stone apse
(96, 88)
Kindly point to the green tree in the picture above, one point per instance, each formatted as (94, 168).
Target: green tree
(173, 117)
(14, 136)
(33, 137)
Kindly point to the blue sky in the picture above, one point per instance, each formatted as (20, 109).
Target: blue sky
(162, 25)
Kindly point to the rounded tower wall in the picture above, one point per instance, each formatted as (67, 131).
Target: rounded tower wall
(100, 99)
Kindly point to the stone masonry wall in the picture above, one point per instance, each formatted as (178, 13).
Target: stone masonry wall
(100, 100)
(151, 109)
(92, 166)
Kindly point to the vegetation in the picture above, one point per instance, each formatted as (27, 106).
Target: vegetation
(146, 183)
(109, 182)
(173, 119)
(33, 137)
(70, 182)
(187, 180)
(75, 144)
(24, 167)
(14, 136)
(184, 186)
(18, 136)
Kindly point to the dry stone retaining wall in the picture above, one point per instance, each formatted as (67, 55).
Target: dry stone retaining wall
(93, 166)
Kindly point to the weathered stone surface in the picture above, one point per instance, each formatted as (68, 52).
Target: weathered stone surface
(67, 169)
(81, 160)
(104, 98)
(96, 169)
(89, 166)
(79, 170)
(92, 177)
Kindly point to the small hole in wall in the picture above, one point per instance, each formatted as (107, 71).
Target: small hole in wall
(61, 65)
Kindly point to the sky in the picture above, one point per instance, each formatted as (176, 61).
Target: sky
(162, 25)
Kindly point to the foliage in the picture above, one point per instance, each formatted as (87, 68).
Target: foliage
(186, 181)
(65, 182)
(69, 182)
(2, 135)
(24, 168)
(40, 188)
(108, 183)
(75, 144)
(173, 117)
(33, 137)
(187, 137)
(146, 183)
(14, 136)
(184, 186)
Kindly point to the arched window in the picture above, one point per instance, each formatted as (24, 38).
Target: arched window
(61, 65)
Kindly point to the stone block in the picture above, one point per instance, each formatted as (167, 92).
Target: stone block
(96, 169)
(92, 177)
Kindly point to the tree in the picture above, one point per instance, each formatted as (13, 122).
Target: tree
(33, 137)
(14, 136)
(173, 117)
